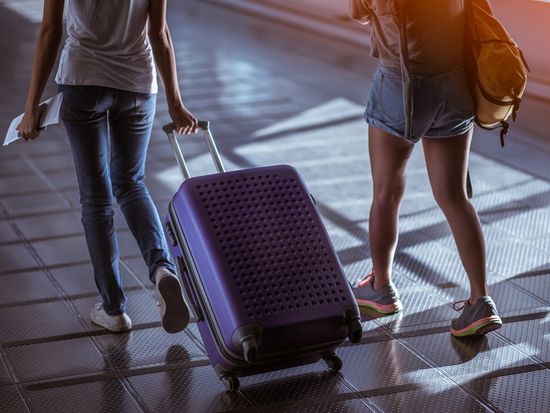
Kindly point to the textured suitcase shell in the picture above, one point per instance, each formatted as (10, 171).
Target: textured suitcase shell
(257, 261)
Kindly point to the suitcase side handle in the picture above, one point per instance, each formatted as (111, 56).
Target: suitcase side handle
(204, 126)
(189, 291)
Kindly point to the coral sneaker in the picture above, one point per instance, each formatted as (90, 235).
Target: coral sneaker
(384, 301)
(477, 319)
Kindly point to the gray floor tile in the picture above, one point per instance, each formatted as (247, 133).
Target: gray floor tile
(127, 244)
(355, 267)
(56, 359)
(514, 257)
(542, 243)
(533, 335)
(91, 397)
(63, 179)
(7, 233)
(11, 400)
(15, 257)
(37, 321)
(67, 250)
(467, 358)
(333, 169)
(348, 191)
(137, 266)
(383, 365)
(73, 249)
(13, 166)
(539, 284)
(45, 147)
(5, 377)
(491, 199)
(371, 327)
(428, 262)
(526, 222)
(72, 196)
(120, 221)
(24, 184)
(34, 203)
(194, 332)
(438, 397)
(192, 390)
(21, 287)
(524, 392)
(54, 162)
(79, 279)
(309, 382)
(347, 406)
(149, 347)
(51, 225)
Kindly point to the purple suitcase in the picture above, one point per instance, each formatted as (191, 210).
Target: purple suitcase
(258, 269)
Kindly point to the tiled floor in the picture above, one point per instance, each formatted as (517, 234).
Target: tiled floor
(269, 103)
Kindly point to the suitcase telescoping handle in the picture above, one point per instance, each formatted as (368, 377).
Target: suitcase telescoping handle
(204, 126)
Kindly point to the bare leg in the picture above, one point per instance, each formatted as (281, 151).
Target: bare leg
(447, 162)
(388, 158)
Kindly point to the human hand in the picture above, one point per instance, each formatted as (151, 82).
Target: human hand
(29, 126)
(184, 121)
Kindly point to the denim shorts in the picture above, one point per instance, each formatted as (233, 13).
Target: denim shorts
(443, 105)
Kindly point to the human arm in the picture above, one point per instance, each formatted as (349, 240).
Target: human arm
(47, 45)
(163, 52)
(359, 12)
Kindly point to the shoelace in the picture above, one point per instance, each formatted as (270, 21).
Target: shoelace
(459, 305)
(367, 279)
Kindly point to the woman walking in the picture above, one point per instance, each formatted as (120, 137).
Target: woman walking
(108, 78)
(420, 93)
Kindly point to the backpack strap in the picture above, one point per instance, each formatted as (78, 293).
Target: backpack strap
(505, 127)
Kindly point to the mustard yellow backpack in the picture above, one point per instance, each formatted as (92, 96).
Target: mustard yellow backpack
(495, 65)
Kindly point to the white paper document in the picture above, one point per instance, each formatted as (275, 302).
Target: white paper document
(50, 116)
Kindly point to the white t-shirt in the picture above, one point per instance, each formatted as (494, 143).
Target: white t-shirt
(107, 45)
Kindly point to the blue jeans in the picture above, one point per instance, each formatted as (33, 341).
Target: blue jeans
(109, 131)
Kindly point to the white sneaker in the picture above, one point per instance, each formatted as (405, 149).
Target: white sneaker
(115, 323)
(174, 312)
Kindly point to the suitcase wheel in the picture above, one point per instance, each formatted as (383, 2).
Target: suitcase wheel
(231, 383)
(334, 363)
(355, 331)
(250, 349)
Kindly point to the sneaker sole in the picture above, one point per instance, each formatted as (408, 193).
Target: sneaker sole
(479, 327)
(112, 329)
(380, 308)
(176, 313)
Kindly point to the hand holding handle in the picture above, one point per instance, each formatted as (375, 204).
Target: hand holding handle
(204, 125)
